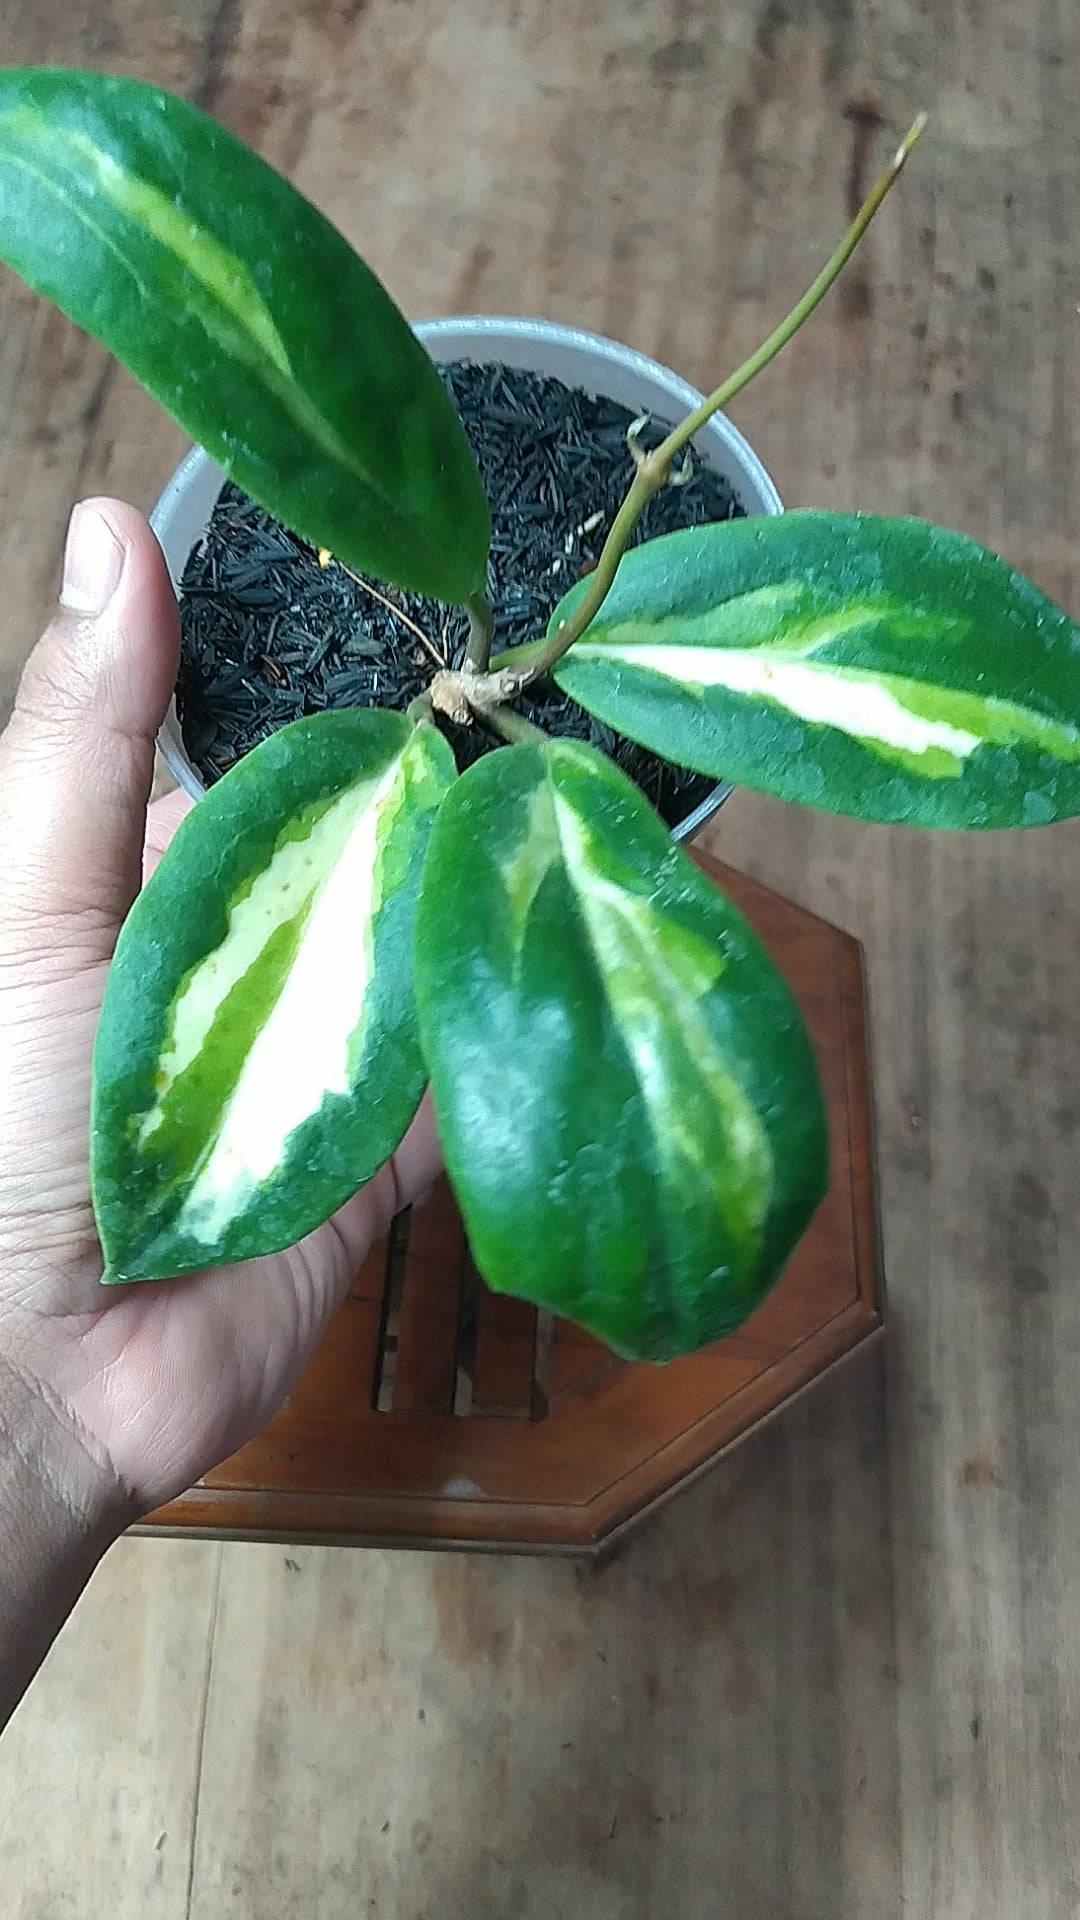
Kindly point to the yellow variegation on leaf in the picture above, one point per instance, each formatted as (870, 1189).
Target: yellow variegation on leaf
(884, 668)
(257, 1056)
(627, 1098)
(246, 314)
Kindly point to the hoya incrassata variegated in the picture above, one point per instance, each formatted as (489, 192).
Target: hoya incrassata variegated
(626, 1094)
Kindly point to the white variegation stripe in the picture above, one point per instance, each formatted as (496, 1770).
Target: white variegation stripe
(524, 863)
(656, 978)
(305, 1050)
(852, 700)
(303, 1053)
(276, 895)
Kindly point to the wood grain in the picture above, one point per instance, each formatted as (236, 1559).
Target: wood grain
(841, 1677)
(108, 1744)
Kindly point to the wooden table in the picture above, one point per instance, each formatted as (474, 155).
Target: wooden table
(839, 1678)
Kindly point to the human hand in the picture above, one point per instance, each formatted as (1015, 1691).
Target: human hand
(142, 1388)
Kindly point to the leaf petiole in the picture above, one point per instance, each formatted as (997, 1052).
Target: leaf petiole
(481, 632)
(515, 728)
(788, 327)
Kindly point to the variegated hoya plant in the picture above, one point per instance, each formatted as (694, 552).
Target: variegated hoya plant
(626, 1096)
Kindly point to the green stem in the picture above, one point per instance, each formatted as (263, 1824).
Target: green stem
(813, 296)
(481, 630)
(420, 711)
(514, 727)
(645, 483)
(518, 668)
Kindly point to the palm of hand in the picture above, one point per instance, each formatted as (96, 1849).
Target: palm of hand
(162, 1380)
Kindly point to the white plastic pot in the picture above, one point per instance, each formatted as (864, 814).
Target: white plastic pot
(583, 360)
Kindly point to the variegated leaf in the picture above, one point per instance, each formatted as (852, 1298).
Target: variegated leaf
(627, 1098)
(257, 1056)
(246, 314)
(883, 668)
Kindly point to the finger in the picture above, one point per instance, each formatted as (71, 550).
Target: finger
(406, 1174)
(162, 821)
(76, 762)
(418, 1161)
(221, 1349)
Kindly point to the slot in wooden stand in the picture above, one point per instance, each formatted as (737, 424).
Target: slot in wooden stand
(438, 1414)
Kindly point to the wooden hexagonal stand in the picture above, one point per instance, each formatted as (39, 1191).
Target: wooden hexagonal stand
(439, 1414)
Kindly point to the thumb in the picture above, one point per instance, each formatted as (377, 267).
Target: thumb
(77, 759)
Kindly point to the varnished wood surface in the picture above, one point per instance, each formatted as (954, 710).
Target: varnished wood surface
(412, 1422)
(839, 1679)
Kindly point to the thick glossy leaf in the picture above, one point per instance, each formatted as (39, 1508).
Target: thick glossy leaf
(257, 1056)
(883, 668)
(626, 1095)
(246, 314)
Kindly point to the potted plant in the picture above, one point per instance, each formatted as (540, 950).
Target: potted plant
(626, 1096)
(546, 408)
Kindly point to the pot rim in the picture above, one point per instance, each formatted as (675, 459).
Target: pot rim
(518, 334)
(511, 327)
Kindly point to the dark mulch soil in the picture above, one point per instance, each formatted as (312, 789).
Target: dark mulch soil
(268, 634)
